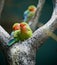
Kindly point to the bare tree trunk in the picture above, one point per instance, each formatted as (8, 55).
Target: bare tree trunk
(24, 53)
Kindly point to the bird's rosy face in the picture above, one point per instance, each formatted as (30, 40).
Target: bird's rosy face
(16, 26)
(32, 9)
(23, 27)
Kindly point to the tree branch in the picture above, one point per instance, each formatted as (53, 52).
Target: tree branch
(4, 37)
(43, 32)
(35, 19)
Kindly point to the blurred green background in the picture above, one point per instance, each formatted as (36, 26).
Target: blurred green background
(13, 12)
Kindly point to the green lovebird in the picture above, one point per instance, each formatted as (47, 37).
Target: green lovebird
(29, 13)
(17, 31)
(26, 31)
(15, 34)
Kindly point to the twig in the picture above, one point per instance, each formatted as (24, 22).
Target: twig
(1, 6)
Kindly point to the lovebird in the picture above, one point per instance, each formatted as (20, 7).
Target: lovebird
(16, 26)
(14, 34)
(29, 13)
(26, 31)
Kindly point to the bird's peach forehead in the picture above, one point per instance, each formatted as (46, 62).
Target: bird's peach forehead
(22, 24)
